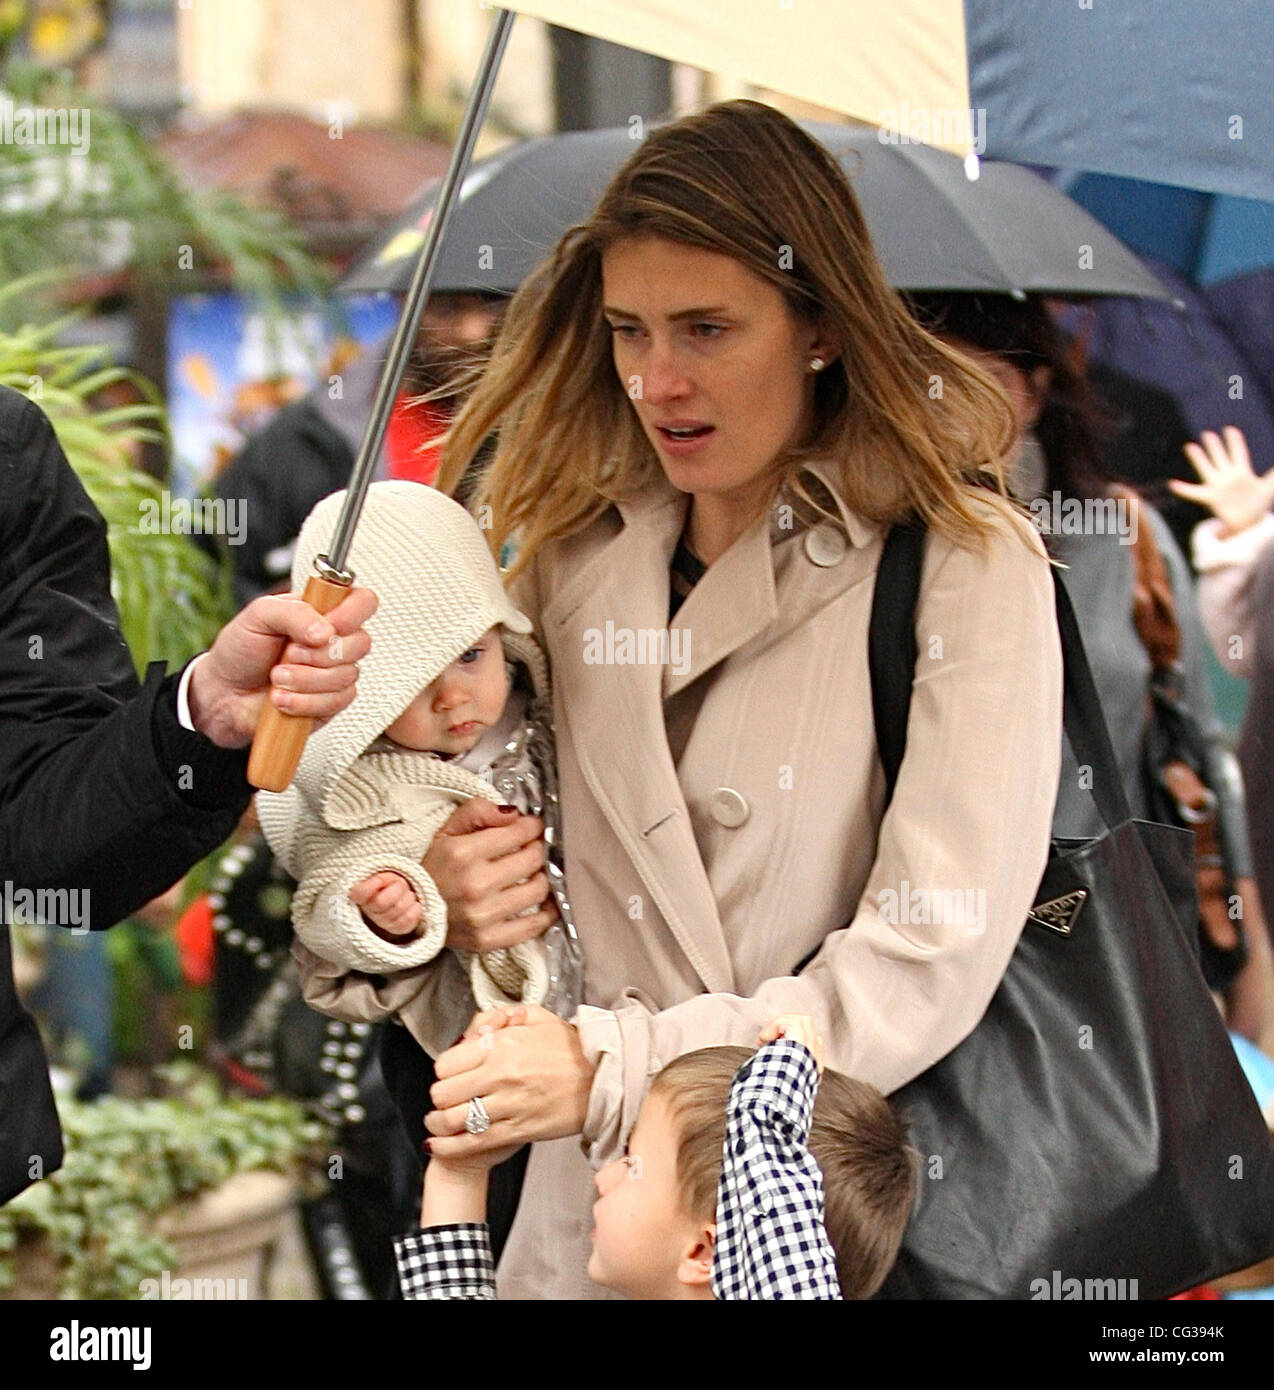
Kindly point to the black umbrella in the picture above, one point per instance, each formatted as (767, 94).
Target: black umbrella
(1007, 231)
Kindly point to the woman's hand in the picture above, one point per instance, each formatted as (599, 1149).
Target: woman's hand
(532, 1077)
(800, 1028)
(488, 864)
(1227, 485)
(456, 1188)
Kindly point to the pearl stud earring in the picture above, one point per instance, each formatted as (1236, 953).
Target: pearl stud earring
(817, 364)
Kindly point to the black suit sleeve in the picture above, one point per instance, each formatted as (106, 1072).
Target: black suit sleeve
(100, 788)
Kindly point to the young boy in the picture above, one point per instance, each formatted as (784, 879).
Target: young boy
(721, 1189)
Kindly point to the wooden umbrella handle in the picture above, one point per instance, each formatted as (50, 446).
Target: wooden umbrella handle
(280, 738)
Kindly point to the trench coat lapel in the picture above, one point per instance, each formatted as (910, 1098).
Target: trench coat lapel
(612, 713)
(728, 607)
(615, 706)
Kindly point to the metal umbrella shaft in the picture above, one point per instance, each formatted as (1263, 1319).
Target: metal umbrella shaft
(408, 324)
(280, 738)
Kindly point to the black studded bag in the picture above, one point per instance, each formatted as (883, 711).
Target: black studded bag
(1051, 1168)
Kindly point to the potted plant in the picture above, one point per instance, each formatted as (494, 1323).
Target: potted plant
(182, 1196)
(171, 597)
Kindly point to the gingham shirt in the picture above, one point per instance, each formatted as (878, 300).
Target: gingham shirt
(447, 1262)
(770, 1240)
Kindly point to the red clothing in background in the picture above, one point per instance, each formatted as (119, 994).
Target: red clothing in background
(409, 427)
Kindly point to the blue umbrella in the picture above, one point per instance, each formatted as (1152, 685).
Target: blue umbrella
(1245, 305)
(1204, 237)
(1174, 92)
(1188, 350)
(1215, 352)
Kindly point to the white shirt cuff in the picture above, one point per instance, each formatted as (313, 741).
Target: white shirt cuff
(1213, 551)
(183, 695)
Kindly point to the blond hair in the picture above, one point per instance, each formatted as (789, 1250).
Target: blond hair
(914, 427)
(857, 1138)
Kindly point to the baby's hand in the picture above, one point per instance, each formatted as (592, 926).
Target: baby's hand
(800, 1028)
(482, 1025)
(389, 902)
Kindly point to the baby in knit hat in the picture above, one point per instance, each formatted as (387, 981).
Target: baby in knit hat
(453, 702)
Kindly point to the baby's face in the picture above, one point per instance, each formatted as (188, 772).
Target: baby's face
(453, 713)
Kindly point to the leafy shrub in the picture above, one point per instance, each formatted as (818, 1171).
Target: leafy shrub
(128, 1160)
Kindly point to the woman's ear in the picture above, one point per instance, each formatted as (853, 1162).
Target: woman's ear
(821, 342)
(695, 1268)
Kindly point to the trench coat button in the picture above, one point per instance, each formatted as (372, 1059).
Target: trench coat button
(826, 545)
(728, 807)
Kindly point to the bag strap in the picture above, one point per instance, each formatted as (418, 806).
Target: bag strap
(891, 656)
(891, 643)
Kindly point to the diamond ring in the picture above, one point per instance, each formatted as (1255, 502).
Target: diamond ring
(477, 1121)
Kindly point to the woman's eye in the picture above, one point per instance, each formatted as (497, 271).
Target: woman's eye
(708, 330)
(623, 330)
(469, 657)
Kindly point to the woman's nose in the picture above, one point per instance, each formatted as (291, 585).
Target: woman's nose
(663, 378)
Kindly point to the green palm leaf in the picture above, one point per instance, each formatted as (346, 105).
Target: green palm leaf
(172, 596)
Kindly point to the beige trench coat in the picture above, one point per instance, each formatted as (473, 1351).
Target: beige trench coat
(698, 887)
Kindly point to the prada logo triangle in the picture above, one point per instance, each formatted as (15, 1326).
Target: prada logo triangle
(1058, 914)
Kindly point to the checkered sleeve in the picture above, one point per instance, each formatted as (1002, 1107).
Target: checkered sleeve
(446, 1262)
(771, 1242)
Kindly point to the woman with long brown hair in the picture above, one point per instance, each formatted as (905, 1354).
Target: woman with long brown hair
(709, 407)
(1136, 608)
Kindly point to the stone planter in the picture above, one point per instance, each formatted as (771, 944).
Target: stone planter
(227, 1237)
(37, 1272)
(224, 1239)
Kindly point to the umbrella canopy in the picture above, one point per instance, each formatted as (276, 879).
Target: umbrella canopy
(1190, 351)
(857, 56)
(1008, 231)
(1215, 353)
(1176, 91)
(1244, 305)
(1204, 237)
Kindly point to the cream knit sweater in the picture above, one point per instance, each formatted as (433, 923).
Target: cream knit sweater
(351, 811)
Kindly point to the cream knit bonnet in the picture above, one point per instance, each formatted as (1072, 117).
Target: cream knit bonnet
(439, 591)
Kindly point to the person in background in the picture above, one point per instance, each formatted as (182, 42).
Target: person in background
(1141, 428)
(307, 450)
(110, 789)
(1229, 547)
(744, 1177)
(1234, 557)
(1057, 458)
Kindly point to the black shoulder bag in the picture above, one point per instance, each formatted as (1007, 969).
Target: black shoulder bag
(1094, 1136)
